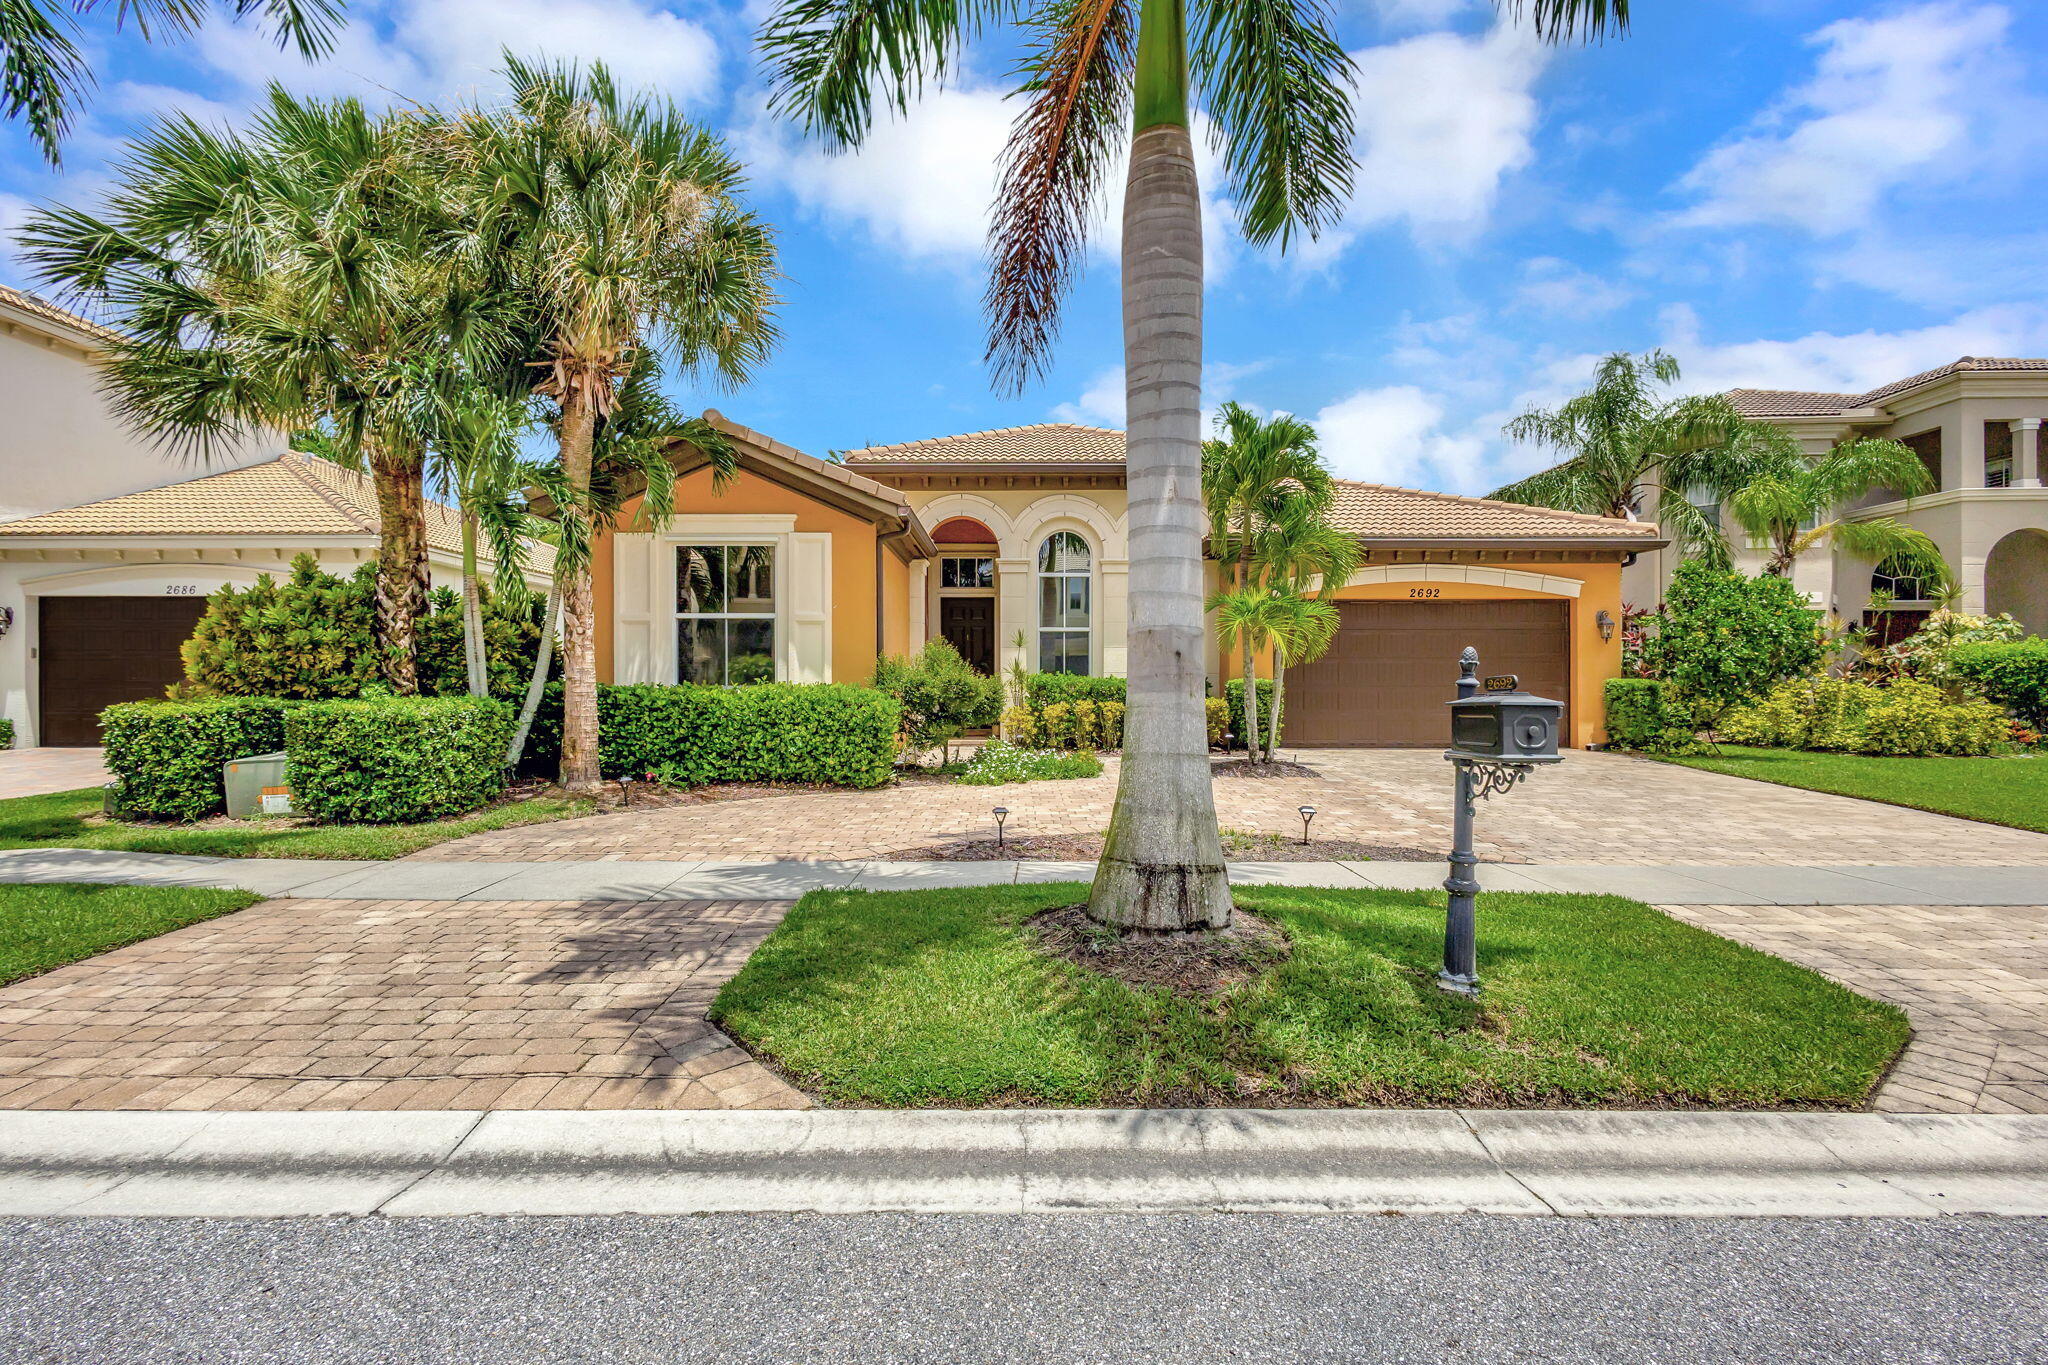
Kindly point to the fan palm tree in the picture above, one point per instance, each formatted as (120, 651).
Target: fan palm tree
(1629, 450)
(43, 75)
(619, 220)
(299, 274)
(1792, 503)
(1100, 78)
(1251, 470)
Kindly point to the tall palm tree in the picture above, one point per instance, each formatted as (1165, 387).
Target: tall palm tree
(1251, 470)
(1629, 450)
(620, 221)
(43, 75)
(1793, 503)
(299, 274)
(1099, 78)
(474, 453)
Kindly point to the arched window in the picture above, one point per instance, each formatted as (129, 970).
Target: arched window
(1900, 581)
(1065, 604)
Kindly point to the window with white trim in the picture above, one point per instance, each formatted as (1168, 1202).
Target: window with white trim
(967, 571)
(725, 614)
(1065, 604)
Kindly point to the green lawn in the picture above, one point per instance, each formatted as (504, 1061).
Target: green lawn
(71, 820)
(47, 926)
(936, 998)
(2009, 789)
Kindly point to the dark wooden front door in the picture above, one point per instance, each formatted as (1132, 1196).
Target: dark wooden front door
(95, 651)
(970, 623)
(1394, 664)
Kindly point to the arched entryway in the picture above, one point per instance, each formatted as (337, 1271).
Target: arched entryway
(2016, 579)
(966, 588)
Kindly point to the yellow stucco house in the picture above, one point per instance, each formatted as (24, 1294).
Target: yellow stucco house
(805, 570)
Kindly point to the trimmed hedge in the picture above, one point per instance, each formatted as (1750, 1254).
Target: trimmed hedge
(1233, 699)
(168, 754)
(1046, 689)
(2012, 673)
(394, 760)
(1647, 714)
(687, 735)
(6, 733)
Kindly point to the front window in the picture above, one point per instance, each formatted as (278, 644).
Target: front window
(1065, 614)
(1901, 582)
(725, 614)
(957, 571)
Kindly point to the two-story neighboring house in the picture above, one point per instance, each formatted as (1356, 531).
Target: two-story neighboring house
(1976, 423)
(109, 548)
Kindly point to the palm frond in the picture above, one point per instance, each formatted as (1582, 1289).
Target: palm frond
(1564, 21)
(828, 61)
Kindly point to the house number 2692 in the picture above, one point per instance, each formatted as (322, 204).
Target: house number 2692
(1425, 592)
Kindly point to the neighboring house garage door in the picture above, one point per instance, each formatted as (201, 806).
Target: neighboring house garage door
(95, 651)
(1395, 664)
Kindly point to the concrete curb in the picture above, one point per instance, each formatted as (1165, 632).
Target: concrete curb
(713, 879)
(1004, 1161)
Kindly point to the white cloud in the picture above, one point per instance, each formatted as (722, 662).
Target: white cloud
(1101, 404)
(1895, 100)
(1399, 434)
(1554, 287)
(141, 101)
(1849, 362)
(1443, 120)
(1414, 14)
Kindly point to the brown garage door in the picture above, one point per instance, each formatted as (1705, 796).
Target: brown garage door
(96, 651)
(1395, 664)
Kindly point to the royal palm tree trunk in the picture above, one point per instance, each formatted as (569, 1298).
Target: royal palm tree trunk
(579, 613)
(402, 580)
(537, 682)
(472, 614)
(1162, 862)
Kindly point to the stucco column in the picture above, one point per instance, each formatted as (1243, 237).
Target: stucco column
(2026, 452)
(1962, 451)
(920, 602)
(1115, 616)
(1015, 585)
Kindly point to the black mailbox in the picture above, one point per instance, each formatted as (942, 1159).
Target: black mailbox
(1506, 727)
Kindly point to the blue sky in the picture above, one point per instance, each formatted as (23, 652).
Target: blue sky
(1783, 193)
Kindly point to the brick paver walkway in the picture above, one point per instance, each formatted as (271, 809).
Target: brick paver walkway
(1591, 808)
(1973, 979)
(399, 1005)
(32, 772)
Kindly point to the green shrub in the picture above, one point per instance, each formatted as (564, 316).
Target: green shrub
(1917, 718)
(395, 760)
(1906, 718)
(6, 733)
(313, 635)
(1724, 639)
(1646, 714)
(1217, 712)
(1929, 652)
(1068, 711)
(1020, 726)
(1043, 689)
(688, 735)
(996, 763)
(1233, 698)
(2013, 673)
(940, 694)
(167, 755)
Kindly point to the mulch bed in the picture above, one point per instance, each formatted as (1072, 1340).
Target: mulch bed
(1256, 848)
(1244, 767)
(1202, 963)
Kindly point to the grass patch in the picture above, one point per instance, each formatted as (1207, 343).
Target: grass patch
(1999, 789)
(47, 926)
(940, 998)
(72, 820)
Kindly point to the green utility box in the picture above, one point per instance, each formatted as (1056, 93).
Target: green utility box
(256, 786)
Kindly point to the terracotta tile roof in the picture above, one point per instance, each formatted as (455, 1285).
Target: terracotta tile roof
(1040, 443)
(50, 312)
(1790, 403)
(292, 495)
(1378, 511)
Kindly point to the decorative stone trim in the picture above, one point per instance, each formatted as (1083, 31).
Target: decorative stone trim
(1482, 574)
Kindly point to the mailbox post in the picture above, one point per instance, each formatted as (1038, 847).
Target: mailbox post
(1498, 736)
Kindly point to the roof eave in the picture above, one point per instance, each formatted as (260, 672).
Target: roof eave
(1567, 542)
(957, 467)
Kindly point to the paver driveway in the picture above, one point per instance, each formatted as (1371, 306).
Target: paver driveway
(32, 772)
(1591, 808)
(306, 1004)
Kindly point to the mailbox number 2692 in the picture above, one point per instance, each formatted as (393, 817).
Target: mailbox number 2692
(1425, 592)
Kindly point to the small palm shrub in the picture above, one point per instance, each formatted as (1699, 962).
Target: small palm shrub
(997, 763)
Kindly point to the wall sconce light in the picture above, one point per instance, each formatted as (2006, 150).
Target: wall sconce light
(1308, 813)
(1606, 624)
(1002, 814)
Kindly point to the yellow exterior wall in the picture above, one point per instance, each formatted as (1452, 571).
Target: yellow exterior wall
(1593, 660)
(854, 547)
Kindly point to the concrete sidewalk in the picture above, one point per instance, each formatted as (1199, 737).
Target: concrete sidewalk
(1009, 1161)
(1658, 884)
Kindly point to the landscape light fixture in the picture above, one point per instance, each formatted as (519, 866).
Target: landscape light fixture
(1308, 813)
(1002, 814)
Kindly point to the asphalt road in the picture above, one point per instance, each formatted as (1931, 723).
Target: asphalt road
(1073, 1288)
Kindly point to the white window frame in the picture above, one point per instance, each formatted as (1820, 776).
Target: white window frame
(778, 557)
(988, 591)
(1038, 577)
